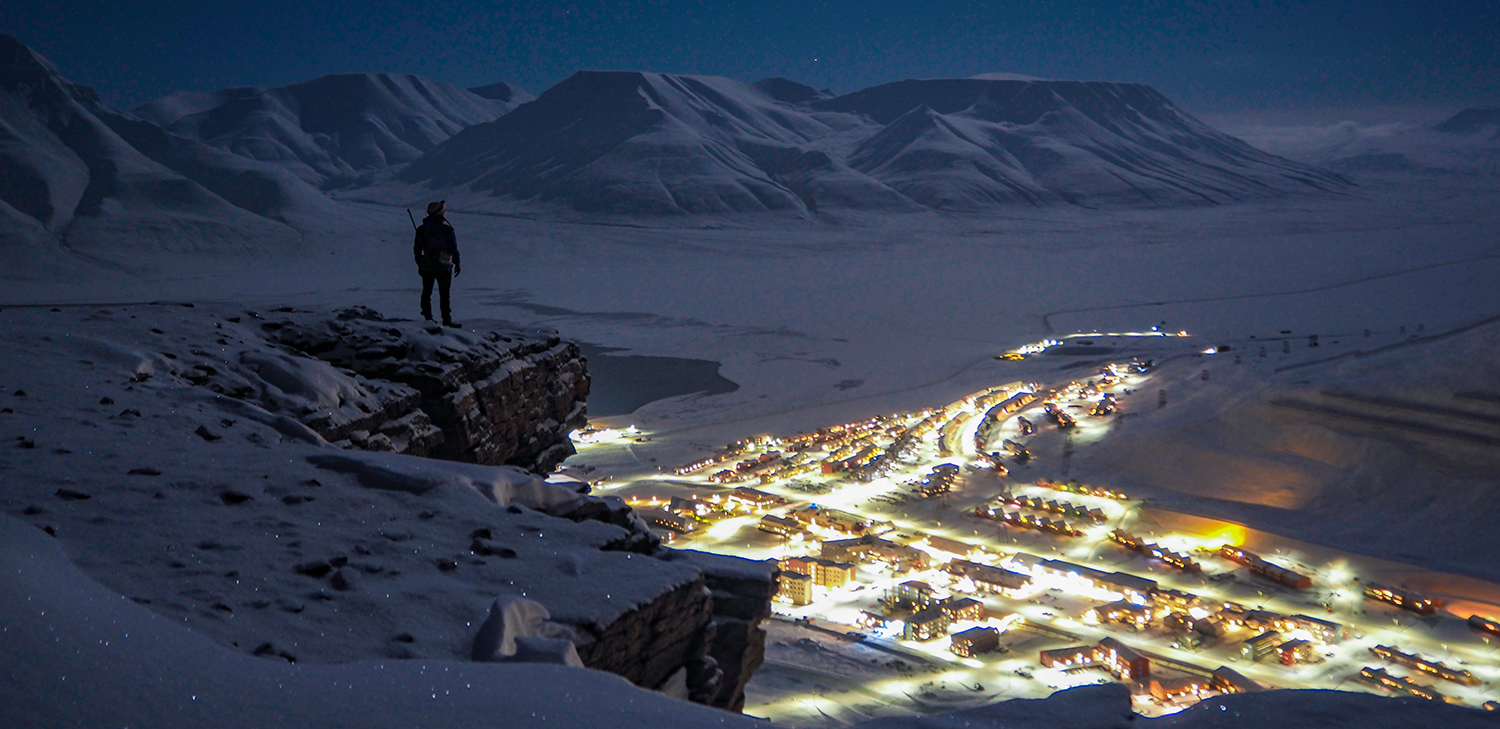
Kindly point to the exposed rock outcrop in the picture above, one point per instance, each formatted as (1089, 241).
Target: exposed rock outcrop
(185, 457)
(497, 397)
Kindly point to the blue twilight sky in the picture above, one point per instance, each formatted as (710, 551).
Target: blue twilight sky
(1212, 57)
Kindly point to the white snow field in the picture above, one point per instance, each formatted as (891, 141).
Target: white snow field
(841, 257)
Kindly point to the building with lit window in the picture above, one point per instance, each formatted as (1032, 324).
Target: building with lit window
(963, 608)
(926, 625)
(796, 588)
(1082, 656)
(782, 525)
(987, 578)
(1402, 598)
(1123, 661)
(1167, 689)
(975, 641)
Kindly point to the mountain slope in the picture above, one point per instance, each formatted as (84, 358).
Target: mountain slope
(969, 143)
(97, 182)
(640, 143)
(627, 142)
(332, 127)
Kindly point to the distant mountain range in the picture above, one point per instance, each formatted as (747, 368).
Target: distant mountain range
(75, 172)
(647, 143)
(333, 128)
(197, 166)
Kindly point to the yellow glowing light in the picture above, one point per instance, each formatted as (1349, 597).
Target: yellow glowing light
(1232, 534)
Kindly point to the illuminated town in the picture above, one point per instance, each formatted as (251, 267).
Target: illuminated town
(907, 534)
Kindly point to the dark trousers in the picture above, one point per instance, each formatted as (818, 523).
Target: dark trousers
(444, 279)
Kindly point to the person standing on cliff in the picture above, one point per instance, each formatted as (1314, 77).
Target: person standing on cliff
(436, 251)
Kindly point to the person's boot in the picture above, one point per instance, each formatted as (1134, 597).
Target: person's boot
(449, 323)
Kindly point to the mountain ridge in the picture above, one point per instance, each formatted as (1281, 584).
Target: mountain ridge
(633, 143)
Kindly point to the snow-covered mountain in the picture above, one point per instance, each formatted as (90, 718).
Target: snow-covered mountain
(647, 143)
(963, 144)
(333, 127)
(632, 143)
(1470, 121)
(79, 174)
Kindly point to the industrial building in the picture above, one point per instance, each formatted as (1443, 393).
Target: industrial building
(861, 548)
(975, 641)
(987, 578)
(668, 520)
(1401, 683)
(1083, 656)
(1124, 612)
(839, 522)
(1229, 681)
(1436, 668)
(785, 526)
(1402, 598)
(753, 499)
(1259, 566)
(1167, 689)
(1137, 589)
(1325, 631)
(952, 546)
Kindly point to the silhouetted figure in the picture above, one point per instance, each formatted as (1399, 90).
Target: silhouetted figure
(436, 251)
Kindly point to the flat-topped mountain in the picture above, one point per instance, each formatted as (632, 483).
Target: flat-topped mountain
(647, 143)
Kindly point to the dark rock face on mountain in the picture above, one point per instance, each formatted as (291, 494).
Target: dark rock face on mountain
(75, 171)
(332, 128)
(1471, 121)
(503, 92)
(655, 144)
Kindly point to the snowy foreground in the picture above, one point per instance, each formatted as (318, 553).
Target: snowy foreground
(77, 654)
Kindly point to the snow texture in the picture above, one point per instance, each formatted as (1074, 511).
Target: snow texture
(659, 144)
(329, 130)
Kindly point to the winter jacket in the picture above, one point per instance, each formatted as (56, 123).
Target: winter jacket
(436, 245)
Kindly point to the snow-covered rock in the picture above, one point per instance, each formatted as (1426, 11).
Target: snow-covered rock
(227, 513)
(77, 654)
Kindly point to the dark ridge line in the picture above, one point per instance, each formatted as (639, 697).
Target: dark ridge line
(1421, 427)
(1421, 407)
(1047, 318)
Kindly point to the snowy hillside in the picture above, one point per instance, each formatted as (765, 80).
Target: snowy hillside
(645, 143)
(79, 179)
(334, 127)
(967, 144)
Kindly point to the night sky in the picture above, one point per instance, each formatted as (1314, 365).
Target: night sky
(1256, 56)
